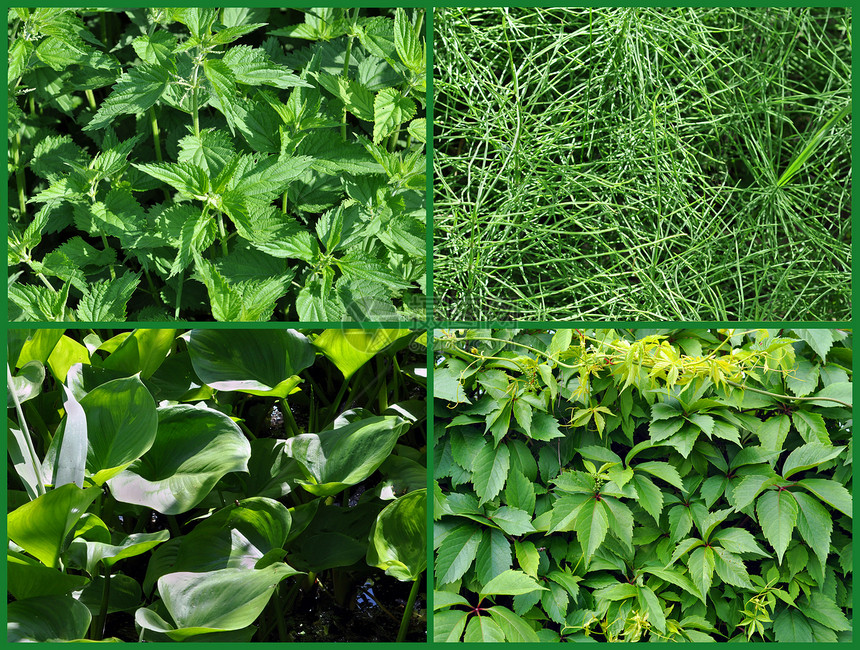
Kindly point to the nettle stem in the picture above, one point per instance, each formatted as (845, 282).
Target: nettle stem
(20, 180)
(110, 268)
(91, 98)
(223, 234)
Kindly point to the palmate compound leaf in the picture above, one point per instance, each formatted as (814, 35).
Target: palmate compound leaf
(456, 553)
(135, 92)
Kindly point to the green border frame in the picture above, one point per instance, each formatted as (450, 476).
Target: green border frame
(430, 324)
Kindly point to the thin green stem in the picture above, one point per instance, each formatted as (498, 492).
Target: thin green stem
(106, 247)
(100, 620)
(407, 612)
(20, 179)
(22, 423)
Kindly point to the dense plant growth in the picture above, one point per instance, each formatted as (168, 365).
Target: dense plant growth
(643, 163)
(676, 485)
(216, 485)
(237, 164)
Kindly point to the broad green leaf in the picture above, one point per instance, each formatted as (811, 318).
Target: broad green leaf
(830, 492)
(456, 554)
(510, 583)
(91, 553)
(704, 422)
(649, 495)
(649, 602)
(259, 362)
(237, 536)
(680, 523)
(749, 488)
(663, 471)
(822, 609)
(701, 565)
(663, 429)
(592, 523)
(808, 456)
(675, 577)
(513, 521)
(519, 491)
(135, 92)
(29, 578)
(490, 472)
(448, 626)
(777, 514)
(252, 67)
(791, 626)
(834, 395)
(814, 525)
(527, 557)
(194, 448)
(483, 629)
(565, 511)
(409, 48)
(730, 568)
(47, 618)
(773, 431)
(349, 350)
(390, 110)
(71, 458)
(515, 628)
(620, 520)
(227, 599)
(398, 537)
(26, 383)
(337, 458)
(811, 427)
(40, 527)
(820, 340)
(142, 352)
(737, 540)
(803, 379)
(121, 426)
(494, 555)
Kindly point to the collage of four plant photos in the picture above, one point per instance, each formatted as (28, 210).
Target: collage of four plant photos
(429, 324)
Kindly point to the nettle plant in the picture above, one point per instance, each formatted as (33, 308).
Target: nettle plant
(673, 485)
(216, 485)
(274, 158)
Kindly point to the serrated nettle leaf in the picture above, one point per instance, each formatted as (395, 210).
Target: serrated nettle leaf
(390, 110)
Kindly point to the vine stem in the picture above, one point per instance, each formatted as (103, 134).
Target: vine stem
(788, 397)
(407, 613)
(19, 174)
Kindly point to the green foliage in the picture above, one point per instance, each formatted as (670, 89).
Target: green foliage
(216, 164)
(638, 163)
(662, 485)
(215, 485)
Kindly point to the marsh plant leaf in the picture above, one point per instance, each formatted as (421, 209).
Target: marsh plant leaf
(236, 536)
(349, 350)
(89, 553)
(143, 351)
(29, 578)
(259, 362)
(26, 383)
(40, 527)
(228, 599)
(47, 618)
(398, 537)
(121, 426)
(194, 448)
(341, 457)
